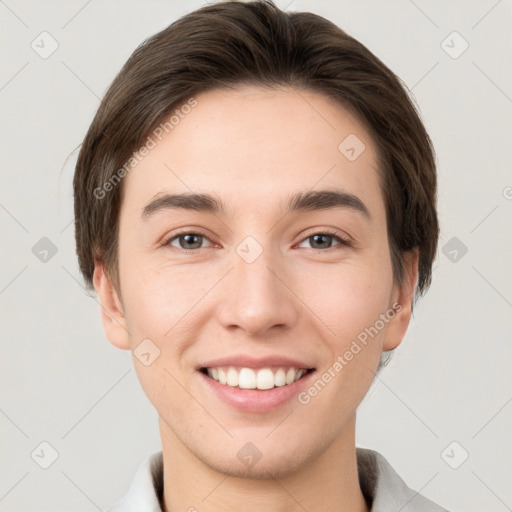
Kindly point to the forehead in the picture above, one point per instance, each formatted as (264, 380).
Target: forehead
(253, 144)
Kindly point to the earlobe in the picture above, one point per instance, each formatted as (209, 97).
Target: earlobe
(402, 302)
(112, 312)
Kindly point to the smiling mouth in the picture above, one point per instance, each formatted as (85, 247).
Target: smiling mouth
(261, 378)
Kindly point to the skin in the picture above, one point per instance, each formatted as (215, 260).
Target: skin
(254, 147)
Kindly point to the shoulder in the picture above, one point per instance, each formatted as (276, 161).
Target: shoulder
(145, 491)
(385, 490)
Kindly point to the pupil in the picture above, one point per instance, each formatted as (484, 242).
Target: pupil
(187, 239)
(320, 236)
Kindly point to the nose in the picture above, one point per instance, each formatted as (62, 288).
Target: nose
(258, 296)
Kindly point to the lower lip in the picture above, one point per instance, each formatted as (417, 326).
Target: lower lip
(257, 400)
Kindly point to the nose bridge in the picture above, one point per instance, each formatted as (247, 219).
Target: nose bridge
(257, 299)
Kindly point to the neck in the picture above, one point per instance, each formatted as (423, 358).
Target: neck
(327, 483)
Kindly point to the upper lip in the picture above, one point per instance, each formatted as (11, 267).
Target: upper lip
(255, 362)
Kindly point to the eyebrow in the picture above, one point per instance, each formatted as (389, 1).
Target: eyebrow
(316, 200)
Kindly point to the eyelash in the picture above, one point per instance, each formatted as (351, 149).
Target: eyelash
(344, 242)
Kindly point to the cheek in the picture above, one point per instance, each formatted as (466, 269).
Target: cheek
(163, 306)
(350, 297)
(162, 302)
(351, 304)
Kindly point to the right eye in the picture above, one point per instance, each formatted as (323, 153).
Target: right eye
(188, 241)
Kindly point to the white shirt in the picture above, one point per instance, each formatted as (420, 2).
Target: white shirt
(380, 484)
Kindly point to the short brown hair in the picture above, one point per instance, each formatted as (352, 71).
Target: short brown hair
(255, 43)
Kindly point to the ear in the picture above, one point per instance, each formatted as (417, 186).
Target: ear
(402, 302)
(112, 311)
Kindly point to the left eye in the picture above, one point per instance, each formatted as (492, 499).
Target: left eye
(321, 239)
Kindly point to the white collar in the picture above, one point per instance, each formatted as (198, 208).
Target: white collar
(380, 483)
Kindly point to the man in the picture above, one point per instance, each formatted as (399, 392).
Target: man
(255, 207)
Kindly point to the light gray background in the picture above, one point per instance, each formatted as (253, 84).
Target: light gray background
(63, 383)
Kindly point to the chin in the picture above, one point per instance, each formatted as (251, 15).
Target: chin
(274, 467)
(269, 460)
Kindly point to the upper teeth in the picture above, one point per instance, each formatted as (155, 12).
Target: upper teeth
(247, 378)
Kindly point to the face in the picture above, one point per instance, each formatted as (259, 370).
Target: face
(255, 284)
